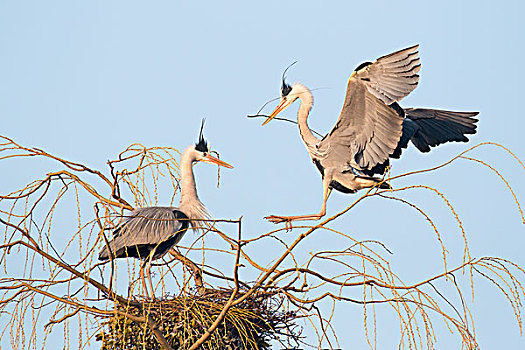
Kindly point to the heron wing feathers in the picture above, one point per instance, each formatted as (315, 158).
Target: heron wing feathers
(434, 127)
(391, 77)
(146, 226)
(150, 225)
(368, 129)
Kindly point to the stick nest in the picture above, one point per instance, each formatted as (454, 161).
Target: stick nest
(183, 320)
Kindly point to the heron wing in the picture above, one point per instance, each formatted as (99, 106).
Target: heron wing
(368, 129)
(146, 226)
(435, 127)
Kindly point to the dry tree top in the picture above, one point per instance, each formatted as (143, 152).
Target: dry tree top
(53, 286)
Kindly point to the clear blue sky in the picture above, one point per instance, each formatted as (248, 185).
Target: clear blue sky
(83, 80)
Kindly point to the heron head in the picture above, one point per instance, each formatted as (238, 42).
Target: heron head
(202, 152)
(287, 96)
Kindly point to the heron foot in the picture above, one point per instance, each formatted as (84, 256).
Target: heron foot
(279, 219)
(288, 219)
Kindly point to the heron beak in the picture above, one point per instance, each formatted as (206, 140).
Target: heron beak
(212, 160)
(280, 107)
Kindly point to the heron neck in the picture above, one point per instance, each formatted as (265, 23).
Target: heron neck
(188, 189)
(307, 101)
(189, 200)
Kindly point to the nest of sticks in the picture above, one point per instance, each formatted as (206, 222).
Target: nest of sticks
(183, 320)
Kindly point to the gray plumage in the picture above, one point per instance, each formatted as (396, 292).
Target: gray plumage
(432, 127)
(149, 233)
(372, 127)
(368, 129)
(427, 128)
(147, 230)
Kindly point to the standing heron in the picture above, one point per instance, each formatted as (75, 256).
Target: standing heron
(372, 127)
(149, 233)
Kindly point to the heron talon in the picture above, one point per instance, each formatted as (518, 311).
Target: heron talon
(275, 219)
(279, 219)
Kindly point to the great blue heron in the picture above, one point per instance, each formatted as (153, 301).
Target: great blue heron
(149, 233)
(372, 127)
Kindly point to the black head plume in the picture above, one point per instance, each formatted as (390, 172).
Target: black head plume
(285, 88)
(202, 145)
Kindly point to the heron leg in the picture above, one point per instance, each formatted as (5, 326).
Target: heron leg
(144, 281)
(148, 274)
(147, 267)
(288, 219)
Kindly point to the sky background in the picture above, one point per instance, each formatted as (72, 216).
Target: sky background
(85, 79)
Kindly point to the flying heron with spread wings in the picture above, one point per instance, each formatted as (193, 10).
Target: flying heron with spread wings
(149, 233)
(372, 126)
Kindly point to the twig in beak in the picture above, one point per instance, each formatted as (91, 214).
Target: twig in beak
(218, 168)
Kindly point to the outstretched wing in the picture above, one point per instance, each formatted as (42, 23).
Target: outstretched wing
(368, 129)
(437, 126)
(428, 128)
(431, 127)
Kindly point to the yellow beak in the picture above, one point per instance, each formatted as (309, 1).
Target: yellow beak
(280, 107)
(212, 160)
